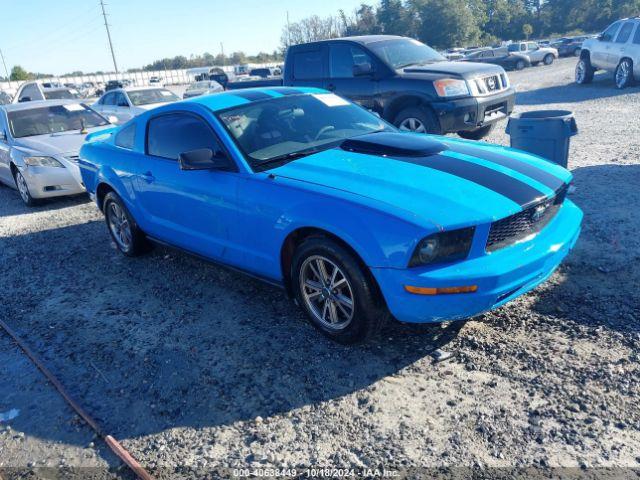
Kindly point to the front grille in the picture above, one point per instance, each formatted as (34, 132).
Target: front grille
(525, 224)
(491, 84)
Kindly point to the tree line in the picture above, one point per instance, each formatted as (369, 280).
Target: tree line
(458, 23)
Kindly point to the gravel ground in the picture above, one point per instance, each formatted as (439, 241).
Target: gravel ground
(194, 367)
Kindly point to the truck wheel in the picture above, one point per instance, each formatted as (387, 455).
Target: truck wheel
(478, 133)
(624, 73)
(123, 229)
(419, 120)
(584, 71)
(548, 59)
(336, 292)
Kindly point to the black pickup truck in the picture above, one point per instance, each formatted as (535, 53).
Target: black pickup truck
(408, 83)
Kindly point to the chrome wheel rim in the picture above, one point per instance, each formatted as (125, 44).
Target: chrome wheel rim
(23, 189)
(580, 71)
(119, 226)
(622, 74)
(327, 292)
(412, 125)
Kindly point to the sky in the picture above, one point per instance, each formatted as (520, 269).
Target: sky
(61, 36)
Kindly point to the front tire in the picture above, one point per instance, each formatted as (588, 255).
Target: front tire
(336, 292)
(584, 71)
(23, 188)
(123, 229)
(418, 120)
(548, 59)
(623, 75)
(478, 133)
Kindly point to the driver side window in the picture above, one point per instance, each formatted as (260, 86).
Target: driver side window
(342, 59)
(610, 32)
(172, 134)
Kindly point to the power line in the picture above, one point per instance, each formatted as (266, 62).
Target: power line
(5, 65)
(106, 25)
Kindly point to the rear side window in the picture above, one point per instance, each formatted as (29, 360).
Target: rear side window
(126, 137)
(625, 32)
(170, 135)
(307, 65)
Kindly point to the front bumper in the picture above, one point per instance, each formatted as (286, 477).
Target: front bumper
(500, 276)
(474, 112)
(46, 182)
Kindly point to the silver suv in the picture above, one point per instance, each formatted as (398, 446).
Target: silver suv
(615, 50)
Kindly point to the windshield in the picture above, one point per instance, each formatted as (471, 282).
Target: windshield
(405, 52)
(152, 95)
(54, 119)
(283, 128)
(65, 94)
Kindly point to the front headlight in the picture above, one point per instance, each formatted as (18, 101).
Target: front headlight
(42, 162)
(451, 87)
(443, 247)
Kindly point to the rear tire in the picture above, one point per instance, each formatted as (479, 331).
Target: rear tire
(419, 120)
(123, 229)
(520, 64)
(548, 59)
(343, 304)
(478, 133)
(623, 75)
(584, 71)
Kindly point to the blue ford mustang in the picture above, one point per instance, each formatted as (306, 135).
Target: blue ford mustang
(353, 218)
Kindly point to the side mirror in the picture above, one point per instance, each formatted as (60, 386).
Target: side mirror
(203, 159)
(362, 69)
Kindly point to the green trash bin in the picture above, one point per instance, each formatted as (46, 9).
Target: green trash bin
(546, 133)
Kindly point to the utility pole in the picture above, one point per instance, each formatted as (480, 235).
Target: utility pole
(106, 25)
(288, 31)
(5, 65)
(224, 60)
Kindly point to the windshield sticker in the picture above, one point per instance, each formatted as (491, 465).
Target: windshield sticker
(165, 93)
(330, 100)
(73, 107)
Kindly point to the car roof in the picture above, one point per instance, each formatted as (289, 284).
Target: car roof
(235, 98)
(361, 39)
(38, 104)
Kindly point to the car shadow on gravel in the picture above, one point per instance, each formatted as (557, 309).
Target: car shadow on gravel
(602, 87)
(167, 340)
(13, 205)
(597, 284)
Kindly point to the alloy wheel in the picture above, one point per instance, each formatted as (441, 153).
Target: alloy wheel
(581, 71)
(622, 74)
(327, 292)
(119, 226)
(412, 125)
(23, 189)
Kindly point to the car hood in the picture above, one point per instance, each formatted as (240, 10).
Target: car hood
(64, 143)
(466, 183)
(457, 69)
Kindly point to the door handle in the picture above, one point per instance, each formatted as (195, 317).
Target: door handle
(331, 87)
(148, 177)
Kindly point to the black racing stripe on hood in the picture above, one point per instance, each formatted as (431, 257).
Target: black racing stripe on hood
(251, 95)
(531, 171)
(512, 188)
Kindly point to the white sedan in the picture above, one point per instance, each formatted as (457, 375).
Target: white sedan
(126, 103)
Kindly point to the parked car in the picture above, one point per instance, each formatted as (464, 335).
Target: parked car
(32, 91)
(354, 218)
(113, 84)
(126, 103)
(39, 145)
(205, 87)
(508, 61)
(615, 50)
(266, 72)
(5, 98)
(406, 82)
(535, 52)
(156, 82)
(568, 47)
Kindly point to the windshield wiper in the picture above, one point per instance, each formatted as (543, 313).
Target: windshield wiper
(289, 156)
